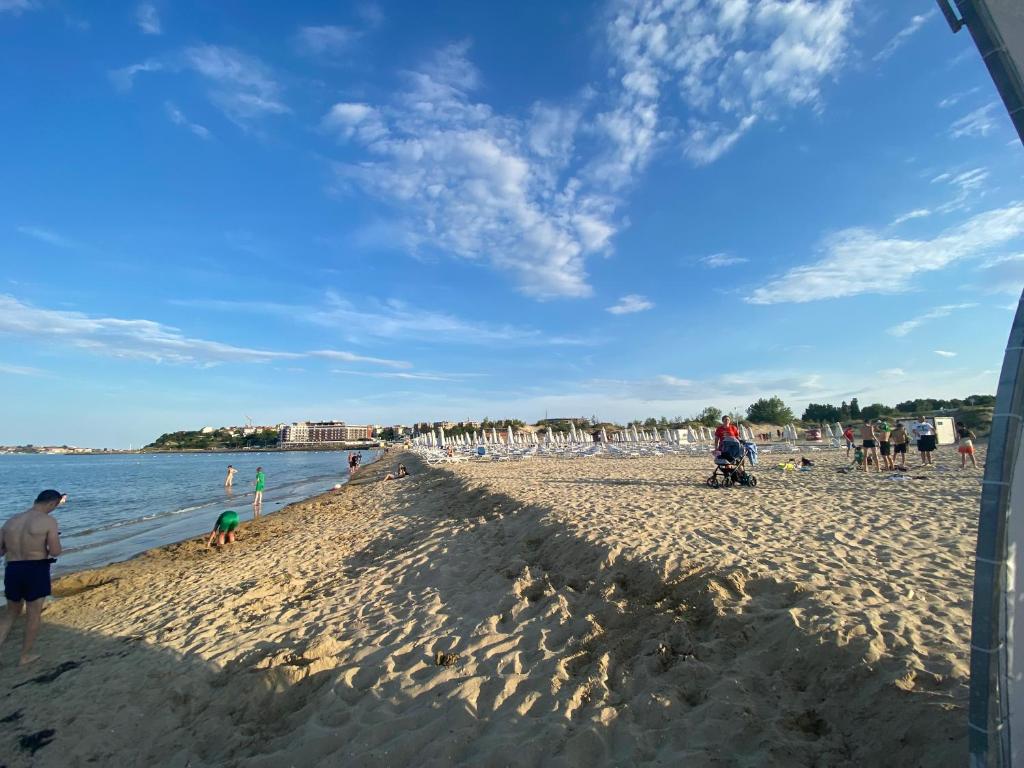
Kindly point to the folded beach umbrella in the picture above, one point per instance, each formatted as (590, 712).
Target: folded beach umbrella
(838, 428)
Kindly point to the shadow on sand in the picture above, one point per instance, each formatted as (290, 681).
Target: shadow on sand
(603, 661)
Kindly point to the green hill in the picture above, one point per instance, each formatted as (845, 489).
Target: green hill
(221, 439)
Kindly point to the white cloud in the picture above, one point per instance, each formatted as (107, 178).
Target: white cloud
(980, 122)
(719, 260)
(144, 339)
(859, 261)
(903, 35)
(350, 120)
(349, 357)
(944, 353)
(243, 87)
(47, 236)
(517, 193)
(1004, 274)
(969, 186)
(178, 118)
(918, 213)
(140, 339)
(956, 98)
(731, 63)
(405, 376)
(20, 370)
(124, 78)
(902, 329)
(892, 372)
(16, 7)
(393, 320)
(148, 19)
(629, 304)
(477, 185)
(325, 42)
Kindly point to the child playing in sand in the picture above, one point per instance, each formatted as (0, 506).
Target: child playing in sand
(224, 528)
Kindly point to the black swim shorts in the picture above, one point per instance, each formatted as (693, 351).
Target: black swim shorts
(870, 444)
(884, 447)
(26, 580)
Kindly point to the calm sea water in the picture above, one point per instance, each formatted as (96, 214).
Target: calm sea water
(124, 504)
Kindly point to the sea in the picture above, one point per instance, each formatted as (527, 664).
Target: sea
(122, 504)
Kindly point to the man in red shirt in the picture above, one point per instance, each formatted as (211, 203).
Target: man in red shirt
(848, 434)
(728, 429)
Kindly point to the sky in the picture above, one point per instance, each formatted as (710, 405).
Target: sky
(390, 212)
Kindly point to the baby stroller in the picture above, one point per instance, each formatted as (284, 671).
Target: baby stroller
(729, 466)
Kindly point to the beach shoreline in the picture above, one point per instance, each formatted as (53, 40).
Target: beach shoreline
(595, 611)
(97, 547)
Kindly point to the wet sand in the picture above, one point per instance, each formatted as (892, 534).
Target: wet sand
(547, 612)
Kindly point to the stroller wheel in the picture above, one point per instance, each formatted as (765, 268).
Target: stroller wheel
(752, 481)
(712, 482)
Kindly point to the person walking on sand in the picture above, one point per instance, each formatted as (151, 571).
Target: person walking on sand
(965, 445)
(848, 434)
(29, 542)
(257, 502)
(224, 529)
(899, 439)
(870, 445)
(230, 479)
(925, 434)
(885, 443)
(726, 430)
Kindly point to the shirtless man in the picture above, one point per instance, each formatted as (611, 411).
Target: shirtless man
(28, 541)
(885, 443)
(870, 445)
(229, 481)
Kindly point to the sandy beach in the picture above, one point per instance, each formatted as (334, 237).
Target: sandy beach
(548, 612)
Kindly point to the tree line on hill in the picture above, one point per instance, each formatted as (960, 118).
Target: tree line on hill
(772, 410)
(852, 411)
(219, 439)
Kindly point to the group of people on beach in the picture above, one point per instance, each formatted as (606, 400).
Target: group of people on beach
(881, 444)
(224, 528)
(30, 544)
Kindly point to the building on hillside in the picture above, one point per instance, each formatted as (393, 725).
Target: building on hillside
(444, 424)
(316, 432)
(401, 430)
(207, 430)
(470, 424)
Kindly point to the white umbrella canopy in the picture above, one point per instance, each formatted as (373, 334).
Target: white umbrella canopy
(690, 437)
(604, 435)
(511, 435)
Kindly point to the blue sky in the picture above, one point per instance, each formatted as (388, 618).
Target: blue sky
(395, 211)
